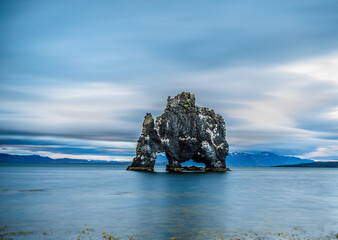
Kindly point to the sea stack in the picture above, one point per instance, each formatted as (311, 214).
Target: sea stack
(184, 131)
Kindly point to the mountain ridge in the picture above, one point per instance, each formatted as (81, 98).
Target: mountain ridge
(314, 165)
(262, 159)
(233, 159)
(9, 158)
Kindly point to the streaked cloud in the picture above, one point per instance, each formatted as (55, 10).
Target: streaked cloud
(321, 68)
(329, 153)
(77, 82)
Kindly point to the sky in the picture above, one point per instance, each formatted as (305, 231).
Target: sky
(77, 77)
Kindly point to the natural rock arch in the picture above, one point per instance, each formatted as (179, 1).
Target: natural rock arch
(184, 131)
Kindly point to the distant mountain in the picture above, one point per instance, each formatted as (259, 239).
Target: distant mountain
(262, 159)
(234, 159)
(247, 159)
(314, 164)
(7, 158)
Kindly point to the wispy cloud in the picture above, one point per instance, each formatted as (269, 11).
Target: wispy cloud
(322, 68)
(323, 154)
(79, 82)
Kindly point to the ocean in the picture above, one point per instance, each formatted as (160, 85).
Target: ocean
(103, 201)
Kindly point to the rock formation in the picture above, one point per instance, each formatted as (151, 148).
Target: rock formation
(184, 131)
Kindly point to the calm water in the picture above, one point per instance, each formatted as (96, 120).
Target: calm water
(71, 201)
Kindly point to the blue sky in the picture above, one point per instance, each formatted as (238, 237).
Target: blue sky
(77, 77)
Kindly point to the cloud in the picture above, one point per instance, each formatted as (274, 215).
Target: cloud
(324, 154)
(321, 68)
(61, 147)
(266, 109)
(71, 109)
(78, 82)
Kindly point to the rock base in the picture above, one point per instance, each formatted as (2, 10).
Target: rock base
(217, 169)
(195, 169)
(143, 169)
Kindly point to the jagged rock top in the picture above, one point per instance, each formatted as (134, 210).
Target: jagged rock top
(184, 131)
(185, 100)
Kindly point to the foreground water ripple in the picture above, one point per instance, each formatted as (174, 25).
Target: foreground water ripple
(79, 201)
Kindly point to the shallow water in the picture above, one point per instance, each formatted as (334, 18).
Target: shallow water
(71, 201)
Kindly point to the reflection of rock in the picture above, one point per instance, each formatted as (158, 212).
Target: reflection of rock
(184, 131)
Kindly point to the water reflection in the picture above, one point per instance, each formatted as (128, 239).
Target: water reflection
(180, 205)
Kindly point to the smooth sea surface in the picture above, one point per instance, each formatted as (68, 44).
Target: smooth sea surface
(87, 201)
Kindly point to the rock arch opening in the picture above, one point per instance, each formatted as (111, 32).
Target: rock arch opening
(162, 161)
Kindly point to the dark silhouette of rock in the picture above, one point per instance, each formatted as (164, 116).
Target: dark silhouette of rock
(184, 131)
